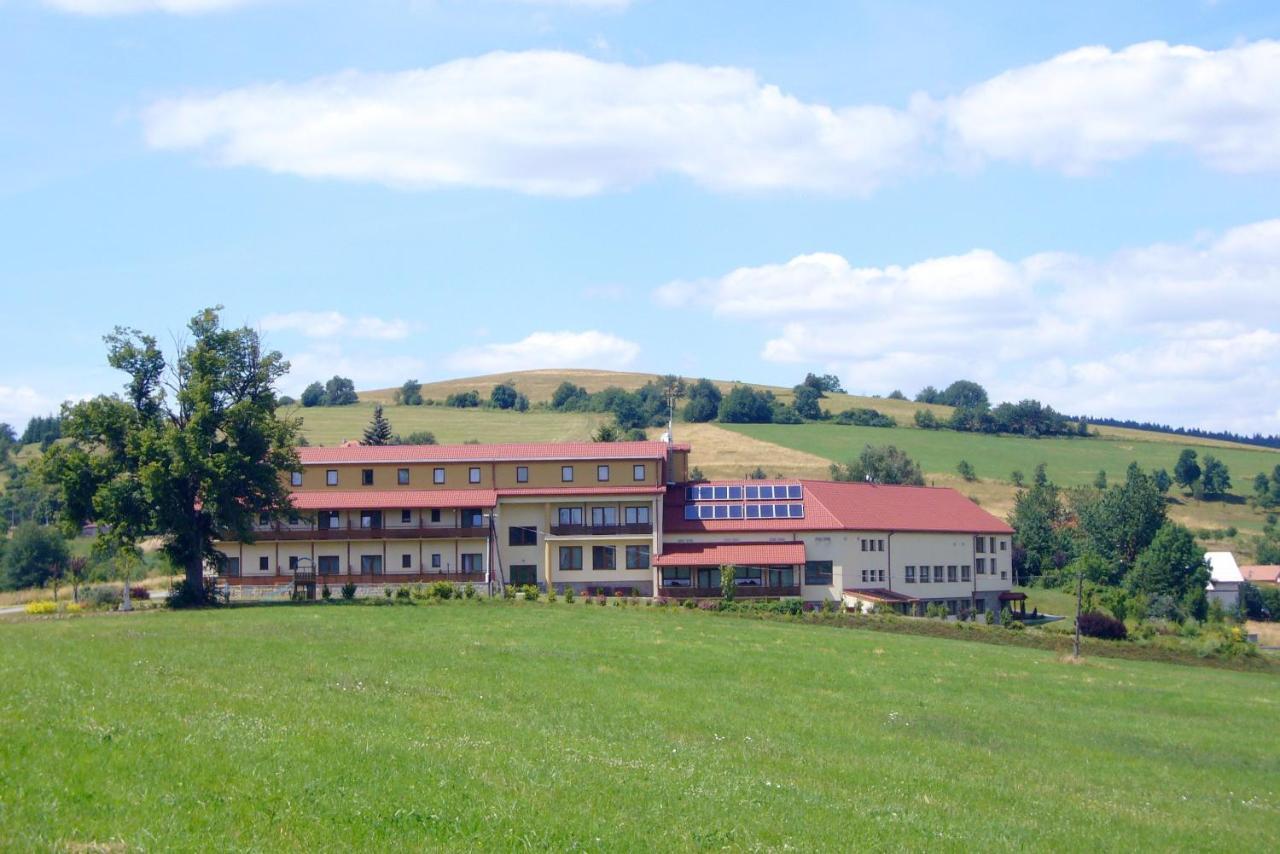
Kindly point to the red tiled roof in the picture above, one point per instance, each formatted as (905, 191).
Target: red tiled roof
(405, 499)
(486, 453)
(538, 491)
(736, 554)
(1261, 572)
(842, 506)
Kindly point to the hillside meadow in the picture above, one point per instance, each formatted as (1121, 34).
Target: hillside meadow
(469, 725)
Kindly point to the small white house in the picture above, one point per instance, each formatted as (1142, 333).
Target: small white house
(1224, 579)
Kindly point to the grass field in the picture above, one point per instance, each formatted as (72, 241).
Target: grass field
(515, 726)
(329, 425)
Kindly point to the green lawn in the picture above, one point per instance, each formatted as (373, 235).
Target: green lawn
(514, 726)
(1070, 461)
(329, 425)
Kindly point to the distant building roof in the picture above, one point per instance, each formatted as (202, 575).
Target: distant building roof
(835, 506)
(734, 554)
(1222, 568)
(486, 453)
(1268, 572)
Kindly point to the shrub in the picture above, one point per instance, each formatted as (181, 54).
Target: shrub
(325, 593)
(386, 591)
(1096, 625)
(551, 593)
(349, 591)
(508, 591)
(184, 595)
(137, 591)
(74, 608)
(402, 593)
(469, 592)
(965, 468)
(568, 593)
(41, 608)
(443, 590)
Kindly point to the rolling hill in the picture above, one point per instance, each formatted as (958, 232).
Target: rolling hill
(807, 450)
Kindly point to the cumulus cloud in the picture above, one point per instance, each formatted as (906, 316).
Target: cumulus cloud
(105, 8)
(590, 349)
(19, 403)
(562, 124)
(546, 123)
(1178, 332)
(326, 324)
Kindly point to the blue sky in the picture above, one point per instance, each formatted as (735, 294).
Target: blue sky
(1076, 204)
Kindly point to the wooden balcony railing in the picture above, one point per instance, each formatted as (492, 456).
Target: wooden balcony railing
(740, 591)
(632, 529)
(338, 579)
(354, 531)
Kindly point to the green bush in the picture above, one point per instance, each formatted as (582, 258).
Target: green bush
(349, 591)
(325, 593)
(402, 593)
(469, 591)
(103, 596)
(530, 592)
(442, 590)
(508, 591)
(568, 593)
(551, 593)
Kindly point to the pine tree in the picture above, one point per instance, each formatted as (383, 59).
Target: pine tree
(379, 430)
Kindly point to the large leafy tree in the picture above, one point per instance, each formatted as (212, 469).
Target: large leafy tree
(1124, 520)
(880, 464)
(1186, 471)
(1172, 565)
(194, 449)
(34, 555)
(1039, 524)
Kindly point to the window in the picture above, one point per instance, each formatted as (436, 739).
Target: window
(521, 536)
(264, 564)
(327, 520)
(366, 477)
(864, 576)
(471, 518)
(1004, 575)
(371, 519)
(781, 577)
(602, 474)
(473, 475)
(472, 562)
(817, 571)
(435, 561)
(864, 545)
(435, 515)
(965, 573)
(708, 578)
(637, 557)
(637, 515)
(937, 575)
(981, 564)
(295, 478)
(522, 474)
(980, 545)
(570, 515)
(604, 516)
(371, 564)
(982, 606)
(406, 561)
(264, 519)
(331, 477)
(671, 577)
(523, 573)
(951, 573)
(406, 517)
(637, 472)
(910, 573)
(570, 558)
(402, 477)
(1004, 545)
(328, 564)
(566, 474)
(604, 557)
(293, 563)
(991, 544)
(437, 475)
(748, 576)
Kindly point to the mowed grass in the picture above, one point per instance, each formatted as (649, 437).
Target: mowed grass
(1070, 462)
(513, 726)
(329, 425)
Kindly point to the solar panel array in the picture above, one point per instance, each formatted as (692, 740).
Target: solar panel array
(762, 501)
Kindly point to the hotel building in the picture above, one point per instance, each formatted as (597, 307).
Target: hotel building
(619, 516)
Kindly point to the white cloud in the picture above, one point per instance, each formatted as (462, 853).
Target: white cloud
(1188, 333)
(562, 124)
(591, 349)
(1093, 105)
(325, 324)
(132, 7)
(367, 370)
(19, 403)
(544, 123)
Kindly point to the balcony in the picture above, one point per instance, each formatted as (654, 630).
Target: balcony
(635, 529)
(355, 531)
(741, 591)
(354, 578)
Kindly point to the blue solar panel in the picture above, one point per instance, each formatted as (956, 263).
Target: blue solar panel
(735, 493)
(753, 492)
(795, 491)
(735, 511)
(690, 511)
